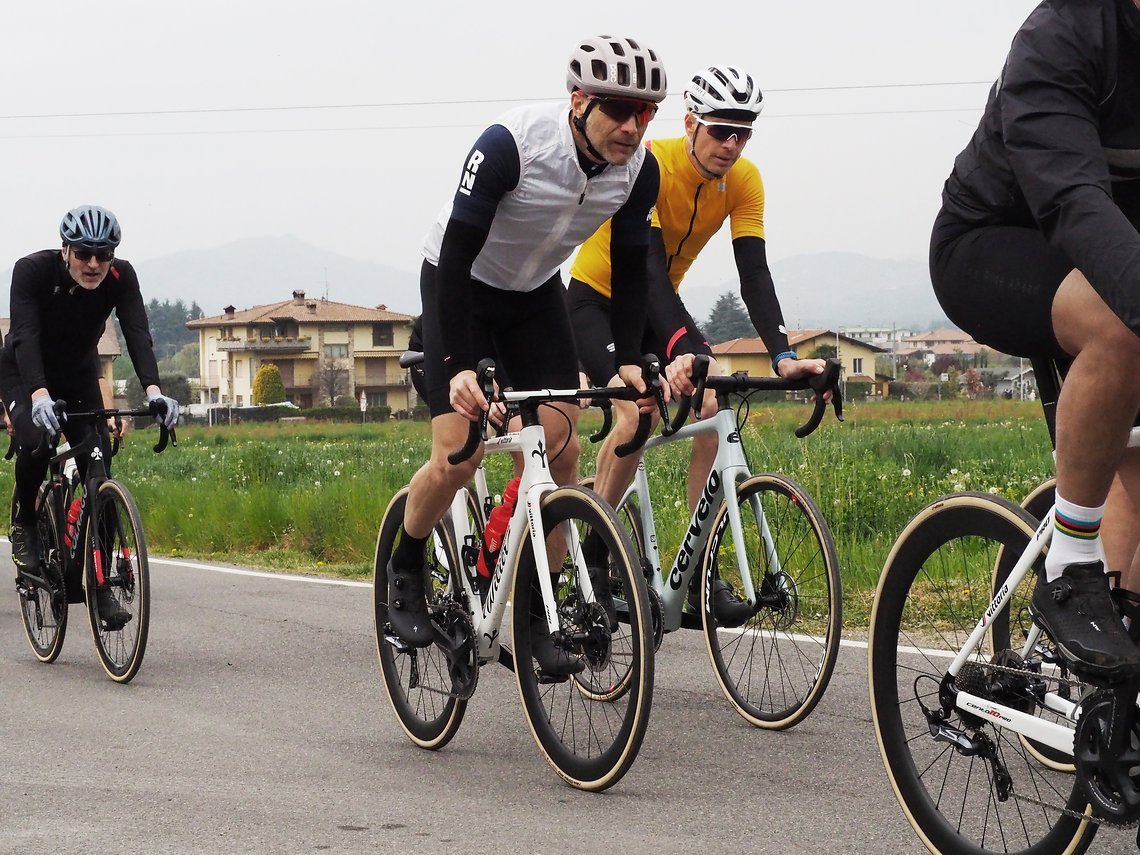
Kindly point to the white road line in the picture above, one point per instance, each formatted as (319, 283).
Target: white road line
(262, 574)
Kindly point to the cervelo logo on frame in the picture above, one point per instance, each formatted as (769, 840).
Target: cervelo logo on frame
(468, 179)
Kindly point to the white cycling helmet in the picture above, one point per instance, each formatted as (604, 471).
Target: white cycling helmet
(616, 66)
(721, 88)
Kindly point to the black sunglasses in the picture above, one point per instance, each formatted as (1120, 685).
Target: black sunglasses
(100, 255)
(620, 109)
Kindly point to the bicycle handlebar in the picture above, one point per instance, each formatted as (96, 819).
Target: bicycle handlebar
(607, 409)
(156, 409)
(485, 374)
(740, 382)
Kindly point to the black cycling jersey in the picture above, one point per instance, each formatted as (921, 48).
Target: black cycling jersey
(56, 324)
(1058, 148)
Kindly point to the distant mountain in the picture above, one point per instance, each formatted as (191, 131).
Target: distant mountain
(839, 289)
(255, 271)
(819, 290)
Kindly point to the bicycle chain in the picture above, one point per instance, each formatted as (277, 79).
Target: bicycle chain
(1085, 689)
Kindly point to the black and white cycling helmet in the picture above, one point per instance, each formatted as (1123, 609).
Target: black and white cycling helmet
(616, 67)
(91, 227)
(722, 88)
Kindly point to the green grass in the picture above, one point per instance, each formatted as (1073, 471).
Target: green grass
(310, 497)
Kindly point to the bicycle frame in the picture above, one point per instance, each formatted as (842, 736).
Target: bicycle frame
(729, 467)
(487, 612)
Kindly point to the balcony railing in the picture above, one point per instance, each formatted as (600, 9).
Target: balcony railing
(276, 343)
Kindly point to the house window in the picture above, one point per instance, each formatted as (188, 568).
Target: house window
(382, 335)
(377, 399)
(336, 351)
(857, 365)
(239, 368)
(240, 400)
(286, 328)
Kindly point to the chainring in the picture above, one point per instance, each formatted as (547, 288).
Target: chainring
(1106, 780)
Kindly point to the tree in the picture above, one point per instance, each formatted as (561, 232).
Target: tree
(728, 320)
(185, 362)
(268, 388)
(823, 351)
(173, 386)
(330, 380)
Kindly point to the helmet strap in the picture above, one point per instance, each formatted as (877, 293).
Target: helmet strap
(706, 173)
(580, 126)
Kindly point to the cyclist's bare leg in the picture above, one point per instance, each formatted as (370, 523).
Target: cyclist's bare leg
(703, 453)
(434, 485)
(1120, 530)
(1101, 393)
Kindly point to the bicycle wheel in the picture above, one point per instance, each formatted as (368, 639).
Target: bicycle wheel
(775, 667)
(935, 586)
(44, 611)
(591, 742)
(617, 681)
(1041, 498)
(115, 562)
(417, 680)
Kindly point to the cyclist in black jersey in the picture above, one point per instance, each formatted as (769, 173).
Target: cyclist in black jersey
(60, 303)
(535, 184)
(1036, 252)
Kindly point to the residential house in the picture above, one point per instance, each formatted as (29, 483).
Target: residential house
(947, 341)
(109, 349)
(319, 346)
(857, 357)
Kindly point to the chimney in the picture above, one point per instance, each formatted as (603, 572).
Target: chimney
(382, 307)
(311, 306)
(229, 312)
(298, 298)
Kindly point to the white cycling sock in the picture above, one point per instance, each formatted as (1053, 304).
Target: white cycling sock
(1076, 537)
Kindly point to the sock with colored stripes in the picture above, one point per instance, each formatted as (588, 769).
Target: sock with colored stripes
(1076, 537)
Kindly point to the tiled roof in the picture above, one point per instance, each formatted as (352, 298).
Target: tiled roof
(756, 346)
(308, 311)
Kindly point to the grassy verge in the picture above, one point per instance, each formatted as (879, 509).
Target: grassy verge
(309, 498)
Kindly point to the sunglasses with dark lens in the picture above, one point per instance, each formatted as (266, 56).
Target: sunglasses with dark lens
(85, 255)
(620, 109)
(723, 133)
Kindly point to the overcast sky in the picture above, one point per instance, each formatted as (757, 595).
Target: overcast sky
(345, 122)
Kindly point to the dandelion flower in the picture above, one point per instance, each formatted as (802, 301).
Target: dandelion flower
(906, 473)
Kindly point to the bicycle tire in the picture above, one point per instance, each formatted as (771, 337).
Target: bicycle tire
(1041, 498)
(618, 684)
(591, 743)
(44, 612)
(792, 643)
(427, 714)
(115, 549)
(935, 585)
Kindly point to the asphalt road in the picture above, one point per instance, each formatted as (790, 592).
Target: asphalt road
(258, 723)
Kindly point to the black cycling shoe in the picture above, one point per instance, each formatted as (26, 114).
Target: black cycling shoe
(600, 580)
(112, 615)
(407, 606)
(1078, 613)
(553, 661)
(728, 609)
(25, 546)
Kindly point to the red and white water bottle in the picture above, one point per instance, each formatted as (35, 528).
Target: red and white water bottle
(496, 526)
(72, 523)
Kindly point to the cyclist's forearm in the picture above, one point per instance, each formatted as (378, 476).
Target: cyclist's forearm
(758, 292)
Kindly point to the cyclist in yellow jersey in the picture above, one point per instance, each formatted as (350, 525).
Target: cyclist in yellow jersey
(704, 181)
